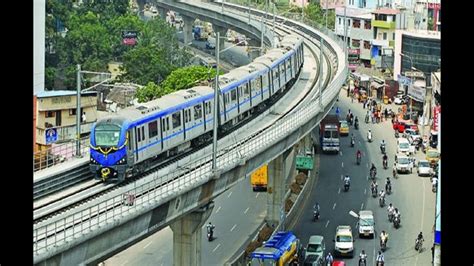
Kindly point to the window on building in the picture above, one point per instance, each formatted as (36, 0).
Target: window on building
(356, 23)
(355, 43)
(72, 112)
(384, 35)
(340, 22)
(366, 45)
(393, 36)
(49, 114)
(367, 25)
(153, 129)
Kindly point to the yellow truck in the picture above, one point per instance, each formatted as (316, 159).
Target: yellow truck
(259, 179)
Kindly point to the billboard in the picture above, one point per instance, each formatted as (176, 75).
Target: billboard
(417, 93)
(129, 37)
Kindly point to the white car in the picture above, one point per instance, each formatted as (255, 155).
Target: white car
(424, 168)
(403, 146)
(403, 164)
(366, 223)
(344, 242)
(412, 135)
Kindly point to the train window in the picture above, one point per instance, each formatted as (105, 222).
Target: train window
(197, 112)
(259, 83)
(152, 129)
(143, 132)
(209, 107)
(139, 135)
(176, 118)
(185, 116)
(246, 89)
(233, 95)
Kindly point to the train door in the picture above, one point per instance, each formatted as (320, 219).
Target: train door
(130, 146)
(154, 137)
(140, 142)
(176, 135)
(198, 119)
(188, 124)
(165, 131)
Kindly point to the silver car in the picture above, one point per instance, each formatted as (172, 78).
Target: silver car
(366, 223)
(424, 168)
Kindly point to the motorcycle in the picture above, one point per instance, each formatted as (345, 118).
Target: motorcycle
(374, 192)
(356, 124)
(358, 159)
(388, 188)
(390, 217)
(367, 119)
(362, 260)
(210, 234)
(372, 174)
(382, 149)
(379, 263)
(397, 134)
(346, 186)
(369, 137)
(385, 164)
(352, 142)
(418, 245)
(383, 244)
(315, 216)
(382, 201)
(396, 222)
(434, 187)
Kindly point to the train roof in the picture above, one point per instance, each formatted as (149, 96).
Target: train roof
(167, 104)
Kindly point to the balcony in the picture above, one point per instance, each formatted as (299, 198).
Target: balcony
(383, 24)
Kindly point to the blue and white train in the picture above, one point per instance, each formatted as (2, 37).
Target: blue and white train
(130, 141)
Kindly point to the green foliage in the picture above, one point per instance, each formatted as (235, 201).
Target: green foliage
(148, 92)
(50, 75)
(187, 77)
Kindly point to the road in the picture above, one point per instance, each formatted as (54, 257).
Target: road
(239, 201)
(410, 193)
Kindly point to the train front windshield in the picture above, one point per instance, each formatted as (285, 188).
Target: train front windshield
(107, 135)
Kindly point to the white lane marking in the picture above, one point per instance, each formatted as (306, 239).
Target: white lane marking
(342, 164)
(365, 191)
(233, 227)
(246, 210)
(333, 207)
(342, 177)
(229, 194)
(258, 193)
(327, 223)
(339, 191)
(362, 206)
(218, 209)
(147, 245)
(340, 153)
(124, 263)
(216, 248)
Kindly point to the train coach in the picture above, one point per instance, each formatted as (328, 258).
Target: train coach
(138, 137)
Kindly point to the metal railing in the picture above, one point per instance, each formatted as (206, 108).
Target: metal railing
(58, 154)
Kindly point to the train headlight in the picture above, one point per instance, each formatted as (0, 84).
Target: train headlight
(122, 161)
(93, 161)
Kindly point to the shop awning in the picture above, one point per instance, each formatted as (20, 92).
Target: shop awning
(376, 85)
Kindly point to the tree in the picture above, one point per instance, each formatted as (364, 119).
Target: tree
(148, 92)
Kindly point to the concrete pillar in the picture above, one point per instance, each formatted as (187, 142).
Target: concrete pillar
(223, 33)
(188, 29)
(162, 13)
(187, 236)
(279, 170)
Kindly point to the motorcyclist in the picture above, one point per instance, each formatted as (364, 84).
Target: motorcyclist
(356, 121)
(390, 210)
(347, 181)
(369, 135)
(382, 146)
(374, 169)
(373, 186)
(419, 238)
(434, 182)
(383, 238)
(396, 214)
(388, 184)
(380, 258)
(382, 194)
(363, 257)
(329, 258)
(316, 209)
(358, 154)
(352, 139)
(385, 160)
(210, 230)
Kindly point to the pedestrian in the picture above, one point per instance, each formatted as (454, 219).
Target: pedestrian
(386, 113)
(432, 253)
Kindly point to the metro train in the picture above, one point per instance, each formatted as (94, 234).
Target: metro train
(132, 140)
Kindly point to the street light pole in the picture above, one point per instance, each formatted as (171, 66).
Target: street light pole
(411, 81)
(261, 36)
(78, 112)
(216, 95)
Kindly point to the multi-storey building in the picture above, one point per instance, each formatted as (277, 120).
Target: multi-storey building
(359, 34)
(383, 42)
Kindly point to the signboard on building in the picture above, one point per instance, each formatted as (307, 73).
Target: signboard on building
(417, 93)
(436, 113)
(51, 135)
(353, 56)
(129, 37)
(404, 80)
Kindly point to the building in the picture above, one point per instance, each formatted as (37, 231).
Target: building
(299, 3)
(56, 116)
(331, 4)
(422, 50)
(383, 42)
(359, 34)
(427, 15)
